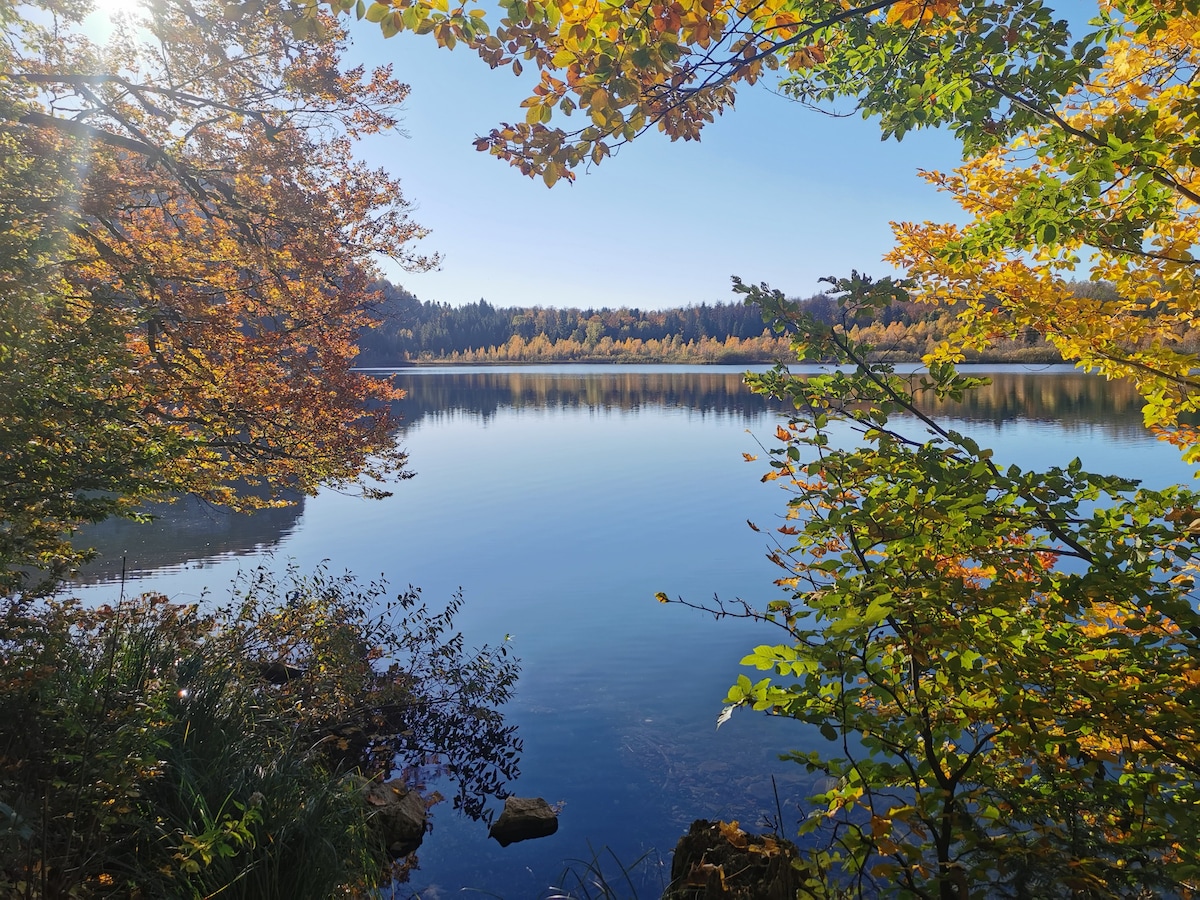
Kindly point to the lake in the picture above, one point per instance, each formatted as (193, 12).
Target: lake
(560, 499)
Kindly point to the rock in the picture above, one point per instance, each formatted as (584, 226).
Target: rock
(719, 860)
(524, 818)
(399, 814)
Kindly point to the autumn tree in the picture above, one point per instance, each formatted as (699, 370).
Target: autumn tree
(986, 69)
(71, 433)
(188, 252)
(1108, 184)
(1000, 665)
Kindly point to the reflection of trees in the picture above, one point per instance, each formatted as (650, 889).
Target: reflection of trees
(181, 532)
(485, 393)
(191, 530)
(1070, 398)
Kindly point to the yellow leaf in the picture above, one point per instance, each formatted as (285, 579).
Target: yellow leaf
(733, 834)
(913, 12)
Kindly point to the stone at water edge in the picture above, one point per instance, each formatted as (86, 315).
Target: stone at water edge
(524, 818)
(400, 815)
(719, 861)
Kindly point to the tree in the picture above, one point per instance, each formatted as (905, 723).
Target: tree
(188, 252)
(1005, 662)
(70, 434)
(1108, 182)
(986, 69)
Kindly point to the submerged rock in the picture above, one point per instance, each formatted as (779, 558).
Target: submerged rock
(399, 814)
(719, 860)
(524, 818)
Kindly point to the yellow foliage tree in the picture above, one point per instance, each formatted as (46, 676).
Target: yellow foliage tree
(1109, 184)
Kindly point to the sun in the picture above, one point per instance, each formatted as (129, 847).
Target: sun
(115, 9)
(106, 14)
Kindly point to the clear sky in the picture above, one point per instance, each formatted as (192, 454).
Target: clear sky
(774, 192)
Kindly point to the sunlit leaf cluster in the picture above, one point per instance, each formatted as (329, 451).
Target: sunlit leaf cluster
(1107, 183)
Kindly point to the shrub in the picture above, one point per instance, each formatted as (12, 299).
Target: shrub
(158, 750)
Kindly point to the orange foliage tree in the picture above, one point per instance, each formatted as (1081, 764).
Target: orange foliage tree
(188, 252)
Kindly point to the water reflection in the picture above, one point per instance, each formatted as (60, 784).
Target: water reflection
(1066, 397)
(1052, 394)
(190, 532)
(485, 392)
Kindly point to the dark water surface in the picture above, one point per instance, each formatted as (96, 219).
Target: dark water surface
(560, 500)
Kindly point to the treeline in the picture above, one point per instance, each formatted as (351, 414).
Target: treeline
(412, 330)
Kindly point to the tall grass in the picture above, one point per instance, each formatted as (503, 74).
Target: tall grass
(603, 876)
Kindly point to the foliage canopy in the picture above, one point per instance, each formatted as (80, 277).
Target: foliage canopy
(988, 70)
(187, 253)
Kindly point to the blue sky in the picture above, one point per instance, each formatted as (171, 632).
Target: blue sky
(773, 192)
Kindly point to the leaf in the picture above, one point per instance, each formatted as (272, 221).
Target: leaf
(725, 716)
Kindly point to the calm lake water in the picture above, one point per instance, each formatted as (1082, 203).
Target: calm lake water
(560, 500)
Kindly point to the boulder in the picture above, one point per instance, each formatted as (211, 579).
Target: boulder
(399, 814)
(524, 818)
(719, 860)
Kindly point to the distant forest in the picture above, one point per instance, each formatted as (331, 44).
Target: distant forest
(415, 331)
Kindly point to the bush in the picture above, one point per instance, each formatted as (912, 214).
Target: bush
(1002, 662)
(157, 750)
